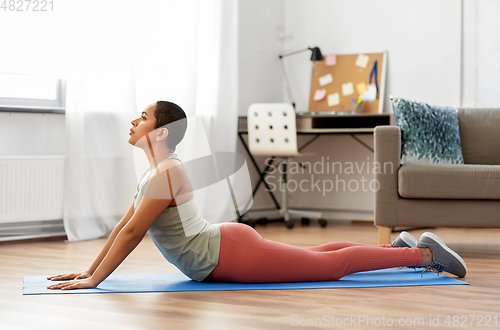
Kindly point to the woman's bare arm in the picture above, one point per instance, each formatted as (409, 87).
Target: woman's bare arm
(130, 234)
(80, 275)
(126, 241)
(111, 239)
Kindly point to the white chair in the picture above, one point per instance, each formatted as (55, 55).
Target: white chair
(272, 132)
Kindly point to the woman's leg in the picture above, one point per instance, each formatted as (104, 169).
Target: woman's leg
(246, 257)
(334, 246)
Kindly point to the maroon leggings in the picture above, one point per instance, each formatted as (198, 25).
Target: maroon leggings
(246, 257)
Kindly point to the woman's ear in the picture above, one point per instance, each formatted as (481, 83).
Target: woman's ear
(162, 134)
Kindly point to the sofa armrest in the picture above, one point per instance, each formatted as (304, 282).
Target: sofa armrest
(387, 142)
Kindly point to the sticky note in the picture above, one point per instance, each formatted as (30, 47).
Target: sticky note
(347, 89)
(370, 94)
(331, 60)
(362, 61)
(326, 79)
(361, 87)
(319, 94)
(333, 99)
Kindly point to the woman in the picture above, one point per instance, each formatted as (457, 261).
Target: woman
(232, 252)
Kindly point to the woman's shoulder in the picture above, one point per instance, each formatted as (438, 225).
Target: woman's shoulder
(170, 164)
(174, 168)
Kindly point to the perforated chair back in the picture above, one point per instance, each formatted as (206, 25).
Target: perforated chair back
(272, 130)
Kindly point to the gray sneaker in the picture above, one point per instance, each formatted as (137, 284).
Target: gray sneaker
(405, 240)
(443, 258)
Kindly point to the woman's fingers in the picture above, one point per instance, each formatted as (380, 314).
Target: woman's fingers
(69, 287)
(69, 276)
(56, 286)
(72, 285)
(59, 285)
(54, 277)
(60, 277)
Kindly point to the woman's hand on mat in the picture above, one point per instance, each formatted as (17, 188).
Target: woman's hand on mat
(70, 276)
(75, 284)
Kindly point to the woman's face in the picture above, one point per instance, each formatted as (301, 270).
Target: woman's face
(142, 125)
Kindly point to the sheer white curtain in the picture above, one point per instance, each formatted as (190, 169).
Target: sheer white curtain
(217, 105)
(156, 51)
(100, 102)
(118, 57)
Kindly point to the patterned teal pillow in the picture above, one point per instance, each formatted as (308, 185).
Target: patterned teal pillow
(429, 133)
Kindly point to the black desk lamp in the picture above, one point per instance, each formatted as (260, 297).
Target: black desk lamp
(315, 56)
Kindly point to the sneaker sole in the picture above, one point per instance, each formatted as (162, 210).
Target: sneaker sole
(410, 244)
(435, 238)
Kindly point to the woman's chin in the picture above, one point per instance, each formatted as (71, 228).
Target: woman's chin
(132, 141)
(137, 143)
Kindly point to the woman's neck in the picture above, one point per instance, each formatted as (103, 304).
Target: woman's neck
(156, 157)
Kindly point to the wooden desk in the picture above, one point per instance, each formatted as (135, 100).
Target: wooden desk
(329, 123)
(319, 124)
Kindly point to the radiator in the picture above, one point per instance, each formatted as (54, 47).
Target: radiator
(31, 196)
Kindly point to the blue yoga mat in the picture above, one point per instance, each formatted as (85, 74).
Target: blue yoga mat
(169, 282)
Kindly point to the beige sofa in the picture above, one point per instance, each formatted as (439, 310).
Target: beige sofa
(439, 195)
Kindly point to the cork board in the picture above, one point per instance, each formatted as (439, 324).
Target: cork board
(346, 71)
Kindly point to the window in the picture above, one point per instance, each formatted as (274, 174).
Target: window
(31, 93)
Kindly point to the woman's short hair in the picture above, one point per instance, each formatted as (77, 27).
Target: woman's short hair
(174, 119)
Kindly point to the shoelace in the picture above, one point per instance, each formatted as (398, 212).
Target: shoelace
(435, 267)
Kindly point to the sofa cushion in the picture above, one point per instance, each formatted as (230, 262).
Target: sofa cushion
(429, 133)
(479, 135)
(442, 181)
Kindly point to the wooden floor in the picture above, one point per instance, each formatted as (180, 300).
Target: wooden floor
(279, 309)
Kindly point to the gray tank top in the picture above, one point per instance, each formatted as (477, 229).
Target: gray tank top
(184, 238)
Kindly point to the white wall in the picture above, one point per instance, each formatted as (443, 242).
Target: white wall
(488, 53)
(28, 134)
(423, 40)
(260, 76)
(481, 54)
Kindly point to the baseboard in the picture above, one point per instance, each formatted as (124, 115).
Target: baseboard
(29, 230)
(328, 214)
